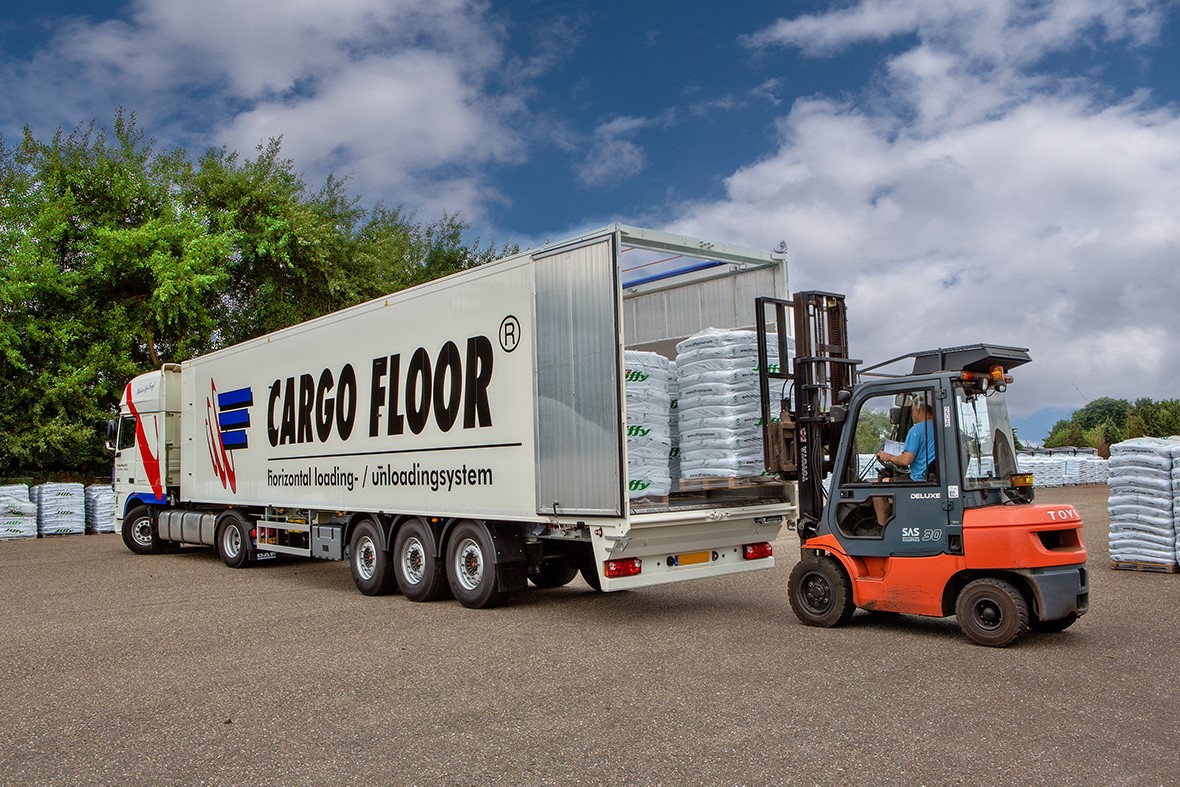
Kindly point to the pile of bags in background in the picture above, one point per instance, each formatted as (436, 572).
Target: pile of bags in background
(61, 509)
(1144, 481)
(100, 509)
(55, 509)
(1064, 470)
(18, 514)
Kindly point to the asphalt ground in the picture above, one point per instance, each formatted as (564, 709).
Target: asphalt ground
(173, 669)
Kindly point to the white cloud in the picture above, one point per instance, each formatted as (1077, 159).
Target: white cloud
(980, 201)
(612, 156)
(411, 96)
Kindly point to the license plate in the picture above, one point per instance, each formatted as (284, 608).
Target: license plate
(692, 558)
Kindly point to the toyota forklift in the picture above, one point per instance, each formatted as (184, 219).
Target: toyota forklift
(965, 538)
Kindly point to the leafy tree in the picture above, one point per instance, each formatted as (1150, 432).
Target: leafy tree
(117, 259)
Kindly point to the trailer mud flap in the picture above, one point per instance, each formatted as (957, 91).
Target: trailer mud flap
(512, 566)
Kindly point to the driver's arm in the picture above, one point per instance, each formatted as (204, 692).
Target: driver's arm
(905, 458)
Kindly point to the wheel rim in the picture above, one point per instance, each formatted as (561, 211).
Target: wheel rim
(987, 614)
(816, 595)
(366, 558)
(231, 541)
(413, 560)
(141, 531)
(469, 564)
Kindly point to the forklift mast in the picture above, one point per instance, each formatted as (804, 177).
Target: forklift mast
(801, 446)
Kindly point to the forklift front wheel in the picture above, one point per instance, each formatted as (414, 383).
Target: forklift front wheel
(992, 612)
(821, 593)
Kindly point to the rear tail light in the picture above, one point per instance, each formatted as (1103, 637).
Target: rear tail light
(627, 567)
(757, 551)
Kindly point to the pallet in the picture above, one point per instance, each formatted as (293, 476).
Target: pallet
(725, 482)
(1145, 566)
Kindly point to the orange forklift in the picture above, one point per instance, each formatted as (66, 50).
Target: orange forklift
(964, 537)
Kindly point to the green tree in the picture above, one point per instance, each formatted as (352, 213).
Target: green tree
(117, 259)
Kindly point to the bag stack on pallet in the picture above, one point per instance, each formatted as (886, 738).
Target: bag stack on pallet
(719, 405)
(18, 514)
(61, 509)
(649, 384)
(1142, 501)
(100, 509)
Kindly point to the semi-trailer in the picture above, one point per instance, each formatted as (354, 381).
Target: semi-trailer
(464, 436)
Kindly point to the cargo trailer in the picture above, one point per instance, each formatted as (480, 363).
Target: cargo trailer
(464, 436)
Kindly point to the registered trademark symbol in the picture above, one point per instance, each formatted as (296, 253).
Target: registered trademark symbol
(510, 333)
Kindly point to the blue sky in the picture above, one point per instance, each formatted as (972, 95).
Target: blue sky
(999, 170)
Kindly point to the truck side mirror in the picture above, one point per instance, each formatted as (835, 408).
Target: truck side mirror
(112, 430)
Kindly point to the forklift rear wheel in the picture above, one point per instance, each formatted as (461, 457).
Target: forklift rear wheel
(821, 593)
(992, 612)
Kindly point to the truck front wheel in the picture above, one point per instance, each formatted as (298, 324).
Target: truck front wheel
(471, 567)
(139, 532)
(372, 572)
(232, 540)
(821, 593)
(992, 612)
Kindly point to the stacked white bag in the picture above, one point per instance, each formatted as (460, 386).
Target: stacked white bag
(60, 509)
(100, 509)
(18, 514)
(719, 405)
(649, 384)
(1141, 503)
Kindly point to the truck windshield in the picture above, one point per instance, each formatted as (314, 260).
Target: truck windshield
(985, 439)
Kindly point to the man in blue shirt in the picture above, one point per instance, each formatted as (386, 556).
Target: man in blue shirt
(918, 450)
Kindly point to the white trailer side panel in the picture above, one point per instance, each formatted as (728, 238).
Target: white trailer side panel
(421, 402)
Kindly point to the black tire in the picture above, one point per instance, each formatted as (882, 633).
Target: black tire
(589, 571)
(554, 575)
(371, 566)
(233, 545)
(1053, 626)
(416, 567)
(139, 532)
(471, 567)
(820, 592)
(991, 612)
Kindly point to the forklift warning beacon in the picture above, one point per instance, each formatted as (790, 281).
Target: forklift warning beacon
(468, 436)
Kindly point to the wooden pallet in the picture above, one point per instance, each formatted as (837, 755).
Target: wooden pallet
(725, 482)
(1147, 566)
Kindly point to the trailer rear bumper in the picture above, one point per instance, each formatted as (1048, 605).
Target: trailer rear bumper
(673, 548)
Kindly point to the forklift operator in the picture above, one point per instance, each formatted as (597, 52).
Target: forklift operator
(918, 450)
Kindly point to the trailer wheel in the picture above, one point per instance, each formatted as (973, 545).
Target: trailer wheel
(554, 575)
(820, 592)
(1053, 626)
(232, 539)
(139, 532)
(992, 612)
(416, 567)
(370, 565)
(471, 567)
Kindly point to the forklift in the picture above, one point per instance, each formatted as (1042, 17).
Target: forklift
(962, 538)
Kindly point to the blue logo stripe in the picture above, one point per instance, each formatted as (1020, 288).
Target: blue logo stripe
(233, 400)
(232, 440)
(234, 419)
